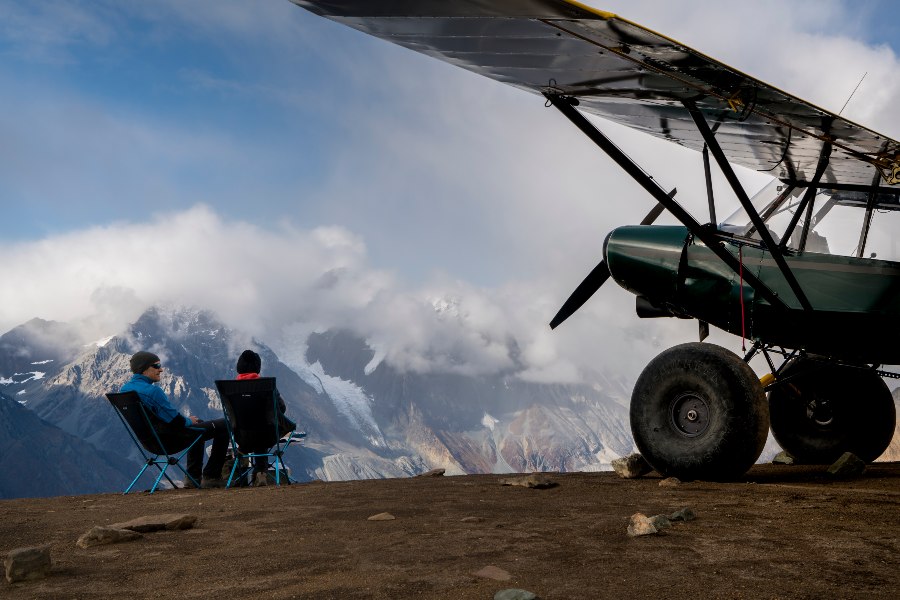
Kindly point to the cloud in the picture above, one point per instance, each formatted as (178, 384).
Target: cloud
(269, 281)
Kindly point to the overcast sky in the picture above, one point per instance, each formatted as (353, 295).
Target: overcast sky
(293, 174)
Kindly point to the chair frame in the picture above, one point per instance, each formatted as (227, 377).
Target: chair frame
(259, 385)
(162, 460)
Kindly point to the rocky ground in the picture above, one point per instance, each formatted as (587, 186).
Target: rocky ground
(782, 532)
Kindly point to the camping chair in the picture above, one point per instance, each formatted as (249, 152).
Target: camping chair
(157, 440)
(251, 413)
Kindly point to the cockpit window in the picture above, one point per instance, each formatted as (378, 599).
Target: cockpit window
(839, 233)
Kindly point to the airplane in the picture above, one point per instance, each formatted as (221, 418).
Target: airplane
(825, 316)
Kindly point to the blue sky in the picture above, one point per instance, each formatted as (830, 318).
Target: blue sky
(149, 150)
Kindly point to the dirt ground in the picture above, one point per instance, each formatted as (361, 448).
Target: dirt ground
(783, 532)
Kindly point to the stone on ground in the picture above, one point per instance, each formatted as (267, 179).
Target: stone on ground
(385, 516)
(847, 466)
(641, 524)
(538, 481)
(492, 572)
(631, 467)
(99, 536)
(515, 594)
(170, 522)
(25, 564)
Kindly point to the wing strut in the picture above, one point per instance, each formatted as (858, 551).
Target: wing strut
(704, 234)
(870, 206)
(725, 167)
(709, 188)
(809, 195)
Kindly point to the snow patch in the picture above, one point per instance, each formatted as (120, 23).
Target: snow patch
(32, 376)
(102, 341)
(19, 393)
(43, 362)
(373, 364)
(348, 398)
(489, 421)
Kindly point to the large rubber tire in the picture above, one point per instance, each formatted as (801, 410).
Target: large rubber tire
(699, 412)
(824, 412)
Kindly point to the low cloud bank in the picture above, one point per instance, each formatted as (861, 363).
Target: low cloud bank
(288, 281)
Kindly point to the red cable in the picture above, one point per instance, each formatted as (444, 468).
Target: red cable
(741, 292)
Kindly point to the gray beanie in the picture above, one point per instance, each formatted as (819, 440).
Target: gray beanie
(140, 361)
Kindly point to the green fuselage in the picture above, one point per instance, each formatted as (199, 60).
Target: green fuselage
(855, 301)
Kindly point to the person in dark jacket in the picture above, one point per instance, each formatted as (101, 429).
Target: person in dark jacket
(147, 369)
(249, 365)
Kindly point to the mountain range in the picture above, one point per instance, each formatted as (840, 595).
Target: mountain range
(364, 418)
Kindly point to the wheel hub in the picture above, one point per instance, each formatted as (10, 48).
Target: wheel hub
(689, 414)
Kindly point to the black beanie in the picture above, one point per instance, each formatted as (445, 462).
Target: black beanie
(249, 362)
(140, 361)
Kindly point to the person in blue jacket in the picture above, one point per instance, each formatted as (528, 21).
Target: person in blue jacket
(147, 369)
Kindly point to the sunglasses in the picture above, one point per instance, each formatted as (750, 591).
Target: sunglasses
(156, 366)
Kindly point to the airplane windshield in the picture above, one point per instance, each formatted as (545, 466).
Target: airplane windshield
(839, 234)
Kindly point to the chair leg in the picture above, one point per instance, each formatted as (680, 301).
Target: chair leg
(233, 469)
(162, 472)
(134, 481)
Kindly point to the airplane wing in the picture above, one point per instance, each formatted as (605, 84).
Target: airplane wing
(626, 73)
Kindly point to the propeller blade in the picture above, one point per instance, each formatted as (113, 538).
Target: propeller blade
(598, 276)
(582, 293)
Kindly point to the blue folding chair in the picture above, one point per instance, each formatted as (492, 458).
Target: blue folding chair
(251, 413)
(161, 444)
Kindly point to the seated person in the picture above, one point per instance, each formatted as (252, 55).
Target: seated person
(147, 370)
(249, 365)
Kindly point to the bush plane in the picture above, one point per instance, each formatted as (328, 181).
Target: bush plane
(822, 317)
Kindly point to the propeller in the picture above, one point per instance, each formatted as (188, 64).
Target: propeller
(598, 276)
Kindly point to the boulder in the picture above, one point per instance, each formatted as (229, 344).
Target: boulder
(660, 522)
(631, 467)
(685, 514)
(99, 536)
(25, 564)
(382, 517)
(538, 481)
(783, 458)
(641, 524)
(432, 473)
(847, 466)
(147, 524)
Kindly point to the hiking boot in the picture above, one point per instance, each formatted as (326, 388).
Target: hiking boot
(260, 479)
(212, 483)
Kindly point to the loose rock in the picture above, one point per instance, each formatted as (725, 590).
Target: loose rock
(847, 466)
(471, 520)
(670, 482)
(631, 467)
(515, 594)
(538, 481)
(641, 524)
(169, 522)
(382, 517)
(660, 521)
(25, 564)
(495, 573)
(99, 536)
(432, 473)
(783, 458)
(685, 514)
